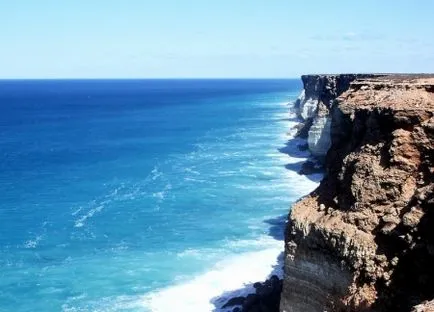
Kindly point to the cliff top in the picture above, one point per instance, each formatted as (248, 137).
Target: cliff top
(398, 92)
(376, 75)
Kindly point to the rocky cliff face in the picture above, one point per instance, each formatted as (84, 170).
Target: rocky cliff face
(314, 104)
(364, 240)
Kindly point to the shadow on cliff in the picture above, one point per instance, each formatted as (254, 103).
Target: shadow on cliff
(412, 281)
(297, 148)
(277, 227)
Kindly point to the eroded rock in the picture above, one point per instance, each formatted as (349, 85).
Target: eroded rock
(363, 241)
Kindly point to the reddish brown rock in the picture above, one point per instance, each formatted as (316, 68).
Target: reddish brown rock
(364, 240)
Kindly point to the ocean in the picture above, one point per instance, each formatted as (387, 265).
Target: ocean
(143, 195)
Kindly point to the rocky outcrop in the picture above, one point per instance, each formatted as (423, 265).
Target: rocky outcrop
(265, 299)
(314, 104)
(427, 306)
(364, 239)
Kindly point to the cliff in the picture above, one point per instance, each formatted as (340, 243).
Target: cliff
(364, 239)
(314, 104)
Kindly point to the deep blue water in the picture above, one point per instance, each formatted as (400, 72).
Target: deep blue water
(116, 195)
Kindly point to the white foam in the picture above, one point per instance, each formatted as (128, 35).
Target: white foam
(162, 194)
(262, 242)
(120, 193)
(233, 275)
(76, 211)
(33, 243)
(159, 195)
(81, 221)
(190, 170)
(230, 277)
(107, 304)
(195, 180)
(155, 173)
(201, 253)
(274, 186)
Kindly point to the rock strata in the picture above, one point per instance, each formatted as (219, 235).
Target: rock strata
(364, 239)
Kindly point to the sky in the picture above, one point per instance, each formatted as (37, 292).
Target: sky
(213, 39)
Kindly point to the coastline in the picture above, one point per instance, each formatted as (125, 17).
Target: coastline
(346, 247)
(180, 188)
(263, 282)
(237, 275)
(362, 241)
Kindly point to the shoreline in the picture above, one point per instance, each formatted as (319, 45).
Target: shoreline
(272, 256)
(362, 241)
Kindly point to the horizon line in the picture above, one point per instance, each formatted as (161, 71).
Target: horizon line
(155, 78)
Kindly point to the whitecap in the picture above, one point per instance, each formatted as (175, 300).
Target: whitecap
(159, 195)
(76, 211)
(107, 304)
(155, 173)
(190, 170)
(81, 221)
(33, 243)
(207, 291)
(194, 180)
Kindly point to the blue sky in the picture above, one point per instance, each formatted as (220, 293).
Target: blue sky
(224, 38)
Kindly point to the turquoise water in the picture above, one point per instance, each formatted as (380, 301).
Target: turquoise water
(138, 195)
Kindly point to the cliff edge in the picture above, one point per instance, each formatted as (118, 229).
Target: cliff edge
(314, 104)
(364, 239)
